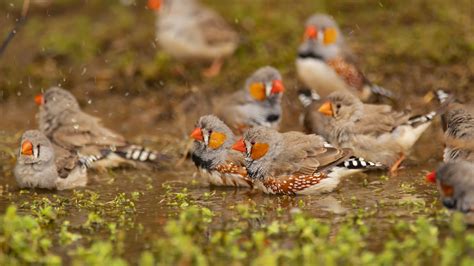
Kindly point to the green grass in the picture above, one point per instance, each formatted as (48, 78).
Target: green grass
(241, 234)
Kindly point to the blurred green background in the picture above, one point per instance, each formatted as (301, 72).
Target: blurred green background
(106, 46)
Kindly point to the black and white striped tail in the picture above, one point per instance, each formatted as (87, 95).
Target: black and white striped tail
(354, 163)
(307, 96)
(89, 160)
(444, 99)
(417, 120)
(381, 91)
(442, 96)
(140, 154)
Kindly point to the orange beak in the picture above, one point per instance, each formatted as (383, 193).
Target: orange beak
(326, 109)
(197, 134)
(311, 32)
(39, 100)
(27, 148)
(239, 145)
(431, 177)
(154, 4)
(277, 87)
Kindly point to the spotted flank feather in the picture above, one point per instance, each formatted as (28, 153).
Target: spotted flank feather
(307, 96)
(360, 163)
(293, 184)
(347, 71)
(417, 120)
(231, 168)
(139, 154)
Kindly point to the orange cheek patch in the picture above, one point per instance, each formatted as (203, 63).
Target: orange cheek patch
(216, 140)
(330, 35)
(257, 91)
(448, 191)
(259, 150)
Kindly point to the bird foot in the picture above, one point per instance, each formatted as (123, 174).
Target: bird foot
(394, 168)
(214, 69)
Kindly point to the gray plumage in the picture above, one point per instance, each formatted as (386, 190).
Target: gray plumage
(240, 110)
(188, 30)
(328, 66)
(325, 52)
(294, 163)
(455, 181)
(374, 132)
(289, 153)
(61, 119)
(48, 166)
(218, 164)
(459, 133)
(206, 157)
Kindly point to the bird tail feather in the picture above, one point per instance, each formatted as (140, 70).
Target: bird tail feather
(140, 154)
(381, 91)
(307, 96)
(354, 163)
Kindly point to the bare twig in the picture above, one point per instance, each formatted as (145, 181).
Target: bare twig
(18, 24)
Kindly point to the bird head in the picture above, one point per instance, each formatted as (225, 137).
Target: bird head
(322, 38)
(341, 105)
(56, 100)
(212, 139)
(455, 181)
(265, 84)
(34, 148)
(260, 146)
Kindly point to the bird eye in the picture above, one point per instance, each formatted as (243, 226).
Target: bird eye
(338, 106)
(252, 142)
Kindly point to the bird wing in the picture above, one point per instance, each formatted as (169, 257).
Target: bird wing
(227, 108)
(306, 155)
(379, 119)
(214, 28)
(81, 129)
(65, 160)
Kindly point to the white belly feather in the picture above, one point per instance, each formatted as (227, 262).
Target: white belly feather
(317, 75)
(218, 179)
